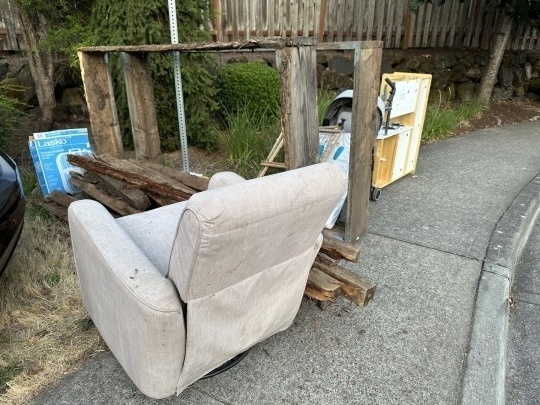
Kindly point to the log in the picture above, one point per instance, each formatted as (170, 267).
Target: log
(162, 186)
(55, 209)
(60, 198)
(115, 204)
(151, 174)
(322, 287)
(116, 188)
(198, 183)
(357, 289)
(160, 200)
(335, 247)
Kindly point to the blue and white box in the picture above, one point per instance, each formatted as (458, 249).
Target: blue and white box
(49, 152)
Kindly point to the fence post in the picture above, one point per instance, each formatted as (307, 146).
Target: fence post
(142, 110)
(365, 91)
(299, 102)
(98, 89)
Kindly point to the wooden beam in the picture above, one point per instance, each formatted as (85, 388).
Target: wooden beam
(105, 130)
(357, 289)
(276, 165)
(142, 110)
(321, 286)
(134, 176)
(365, 92)
(299, 124)
(335, 247)
(116, 188)
(60, 198)
(115, 204)
(252, 44)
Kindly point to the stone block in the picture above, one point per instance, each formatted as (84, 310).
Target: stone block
(505, 76)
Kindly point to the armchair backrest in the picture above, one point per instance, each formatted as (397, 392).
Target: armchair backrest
(230, 233)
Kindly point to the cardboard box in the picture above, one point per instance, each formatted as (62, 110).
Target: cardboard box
(49, 152)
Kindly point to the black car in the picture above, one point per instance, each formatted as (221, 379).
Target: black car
(12, 205)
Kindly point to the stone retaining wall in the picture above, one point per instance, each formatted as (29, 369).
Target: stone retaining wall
(456, 73)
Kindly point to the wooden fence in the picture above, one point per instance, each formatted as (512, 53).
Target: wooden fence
(455, 24)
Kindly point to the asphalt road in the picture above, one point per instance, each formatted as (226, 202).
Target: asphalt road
(523, 376)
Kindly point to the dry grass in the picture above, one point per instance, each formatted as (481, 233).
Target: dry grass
(45, 331)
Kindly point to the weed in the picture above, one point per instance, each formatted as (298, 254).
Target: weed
(84, 324)
(8, 373)
(444, 118)
(51, 279)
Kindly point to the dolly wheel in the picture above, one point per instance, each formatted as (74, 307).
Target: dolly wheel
(375, 194)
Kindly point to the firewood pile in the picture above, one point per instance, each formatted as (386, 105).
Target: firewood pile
(128, 187)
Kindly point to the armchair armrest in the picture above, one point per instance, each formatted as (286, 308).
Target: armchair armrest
(135, 308)
(224, 179)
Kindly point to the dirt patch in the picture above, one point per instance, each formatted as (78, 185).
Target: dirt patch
(502, 113)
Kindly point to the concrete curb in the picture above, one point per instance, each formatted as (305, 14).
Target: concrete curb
(485, 368)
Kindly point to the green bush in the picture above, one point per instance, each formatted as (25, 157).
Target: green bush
(10, 114)
(251, 85)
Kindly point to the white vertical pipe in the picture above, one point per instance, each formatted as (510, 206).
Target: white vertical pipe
(178, 86)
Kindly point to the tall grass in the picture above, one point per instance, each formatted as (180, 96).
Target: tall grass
(442, 119)
(248, 140)
(324, 98)
(249, 136)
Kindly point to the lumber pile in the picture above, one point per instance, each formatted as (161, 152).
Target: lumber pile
(130, 186)
(328, 280)
(125, 186)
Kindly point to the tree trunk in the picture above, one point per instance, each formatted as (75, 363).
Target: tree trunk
(489, 76)
(41, 66)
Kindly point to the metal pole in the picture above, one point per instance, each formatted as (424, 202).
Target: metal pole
(178, 86)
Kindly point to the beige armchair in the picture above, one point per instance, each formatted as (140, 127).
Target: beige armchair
(177, 291)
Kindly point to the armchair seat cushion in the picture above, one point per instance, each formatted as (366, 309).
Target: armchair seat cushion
(154, 232)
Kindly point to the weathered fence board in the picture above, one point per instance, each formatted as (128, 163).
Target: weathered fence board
(142, 111)
(454, 24)
(98, 89)
(299, 105)
(366, 72)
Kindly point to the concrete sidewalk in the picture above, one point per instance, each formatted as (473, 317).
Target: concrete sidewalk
(426, 249)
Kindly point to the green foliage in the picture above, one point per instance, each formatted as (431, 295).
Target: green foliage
(10, 115)
(253, 86)
(51, 279)
(324, 99)
(146, 22)
(8, 373)
(66, 25)
(442, 119)
(249, 138)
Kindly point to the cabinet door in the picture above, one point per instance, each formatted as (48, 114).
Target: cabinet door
(400, 159)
